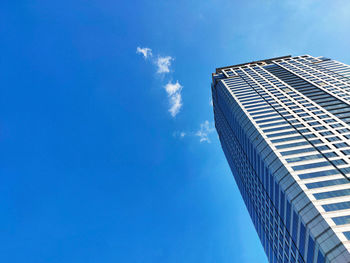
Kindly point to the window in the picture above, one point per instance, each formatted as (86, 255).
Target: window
(304, 158)
(310, 166)
(304, 130)
(318, 174)
(347, 235)
(310, 250)
(346, 152)
(265, 116)
(341, 220)
(345, 130)
(281, 134)
(268, 120)
(290, 145)
(333, 139)
(317, 141)
(341, 145)
(338, 162)
(326, 133)
(336, 206)
(314, 123)
(310, 136)
(261, 112)
(336, 125)
(323, 148)
(277, 129)
(299, 137)
(304, 150)
(327, 183)
(332, 194)
(273, 124)
(345, 170)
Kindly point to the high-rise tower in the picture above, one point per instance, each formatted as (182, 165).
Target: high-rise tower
(284, 126)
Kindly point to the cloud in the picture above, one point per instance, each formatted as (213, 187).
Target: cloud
(174, 93)
(146, 52)
(176, 104)
(173, 88)
(163, 64)
(204, 132)
(179, 134)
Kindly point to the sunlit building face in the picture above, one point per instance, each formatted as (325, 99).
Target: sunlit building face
(284, 126)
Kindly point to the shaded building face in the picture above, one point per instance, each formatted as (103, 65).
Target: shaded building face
(284, 126)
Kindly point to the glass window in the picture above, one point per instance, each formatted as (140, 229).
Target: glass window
(336, 125)
(341, 220)
(320, 128)
(333, 139)
(345, 130)
(327, 183)
(326, 133)
(281, 134)
(302, 239)
(345, 170)
(310, 166)
(308, 119)
(299, 137)
(290, 145)
(332, 194)
(331, 154)
(341, 145)
(304, 130)
(323, 148)
(318, 174)
(268, 120)
(304, 150)
(314, 123)
(338, 162)
(336, 206)
(273, 124)
(304, 158)
(347, 235)
(317, 141)
(329, 121)
(265, 116)
(320, 257)
(310, 136)
(261, 112)
(310, 250)
(277, 129)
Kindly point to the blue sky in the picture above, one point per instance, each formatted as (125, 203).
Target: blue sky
(93, 164)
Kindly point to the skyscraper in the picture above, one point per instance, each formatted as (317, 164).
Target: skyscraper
(284, 126)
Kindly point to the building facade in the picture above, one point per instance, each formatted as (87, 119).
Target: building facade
(284, 126)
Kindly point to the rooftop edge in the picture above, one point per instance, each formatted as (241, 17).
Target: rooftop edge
(263, 60)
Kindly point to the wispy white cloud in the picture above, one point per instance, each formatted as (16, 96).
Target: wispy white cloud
(176, 104)
(146, 52)
(173, 89)
(179, 134)
(174, 93)
(204, 133)
(163, 64)
(205, 130)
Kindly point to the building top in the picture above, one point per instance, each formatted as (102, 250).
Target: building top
(258, 62)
